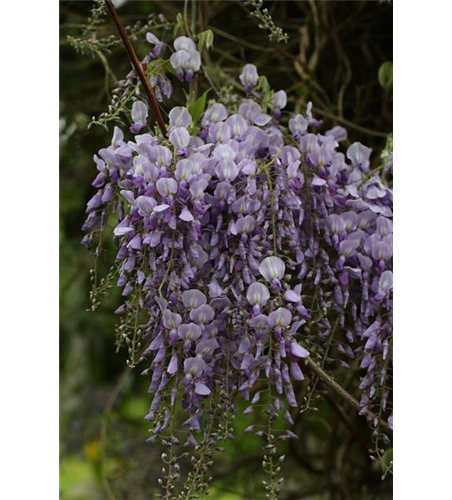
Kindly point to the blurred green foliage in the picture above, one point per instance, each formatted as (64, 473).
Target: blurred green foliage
(335, 56)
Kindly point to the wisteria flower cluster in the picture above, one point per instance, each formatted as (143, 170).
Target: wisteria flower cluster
(245, 247)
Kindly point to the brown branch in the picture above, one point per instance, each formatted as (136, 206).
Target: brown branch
(138, 68)
(340, 391)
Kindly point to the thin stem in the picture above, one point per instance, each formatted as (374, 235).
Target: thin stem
(168, 269)
(369, 175)
(194, 13)
(138, 68)
(268, 464)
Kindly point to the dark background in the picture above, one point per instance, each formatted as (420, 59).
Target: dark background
(333, 56)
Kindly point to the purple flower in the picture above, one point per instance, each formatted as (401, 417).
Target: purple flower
(202, 314)
(184, 170)
(338, 133)
(237, 125)
(159, 46)
(207, 347)
(350, 220)
(259, 322)
(173, 365)
(298, 351)
(186, 215)
(161, 155)
(226, 170)
(308, 143)
(252, 112)
(313, 121)
(280, 317)
(249, 77)
(215, 113)
(219, 132)
(335, 224)
(166, 186)
(385, 283)
(246, 224)
(381, 251)
(189, 331)
(293, 295)
(298, 125)
(171, 320)
(193, 298)
(184, 43)
(279, 103)
(201, 389)
(146, 205)
(143, 167)
(192, 64)
(224, 152)
(122, 229)
(384, 226)
(272, 268)
(257, 294)
(179, 138)
(295, 371)
(359, 156)
(139, 116)
(348, 247)
(194, 366)
(179, 61)
(179, 117)
(197, 189)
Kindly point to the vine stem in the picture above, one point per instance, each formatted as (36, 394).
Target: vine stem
(340, 391)
(138, 68)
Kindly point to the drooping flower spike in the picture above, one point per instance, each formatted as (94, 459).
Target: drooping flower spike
(242, 246)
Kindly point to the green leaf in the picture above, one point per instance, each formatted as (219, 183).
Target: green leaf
(197, 108)
(180, 24)
(160, 67)
(266, 94)
(385, 74)
(205, 38)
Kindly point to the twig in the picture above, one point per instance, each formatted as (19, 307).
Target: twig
(340, 391)
(138, 68)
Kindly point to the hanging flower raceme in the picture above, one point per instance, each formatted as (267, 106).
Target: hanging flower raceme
(242, 246)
